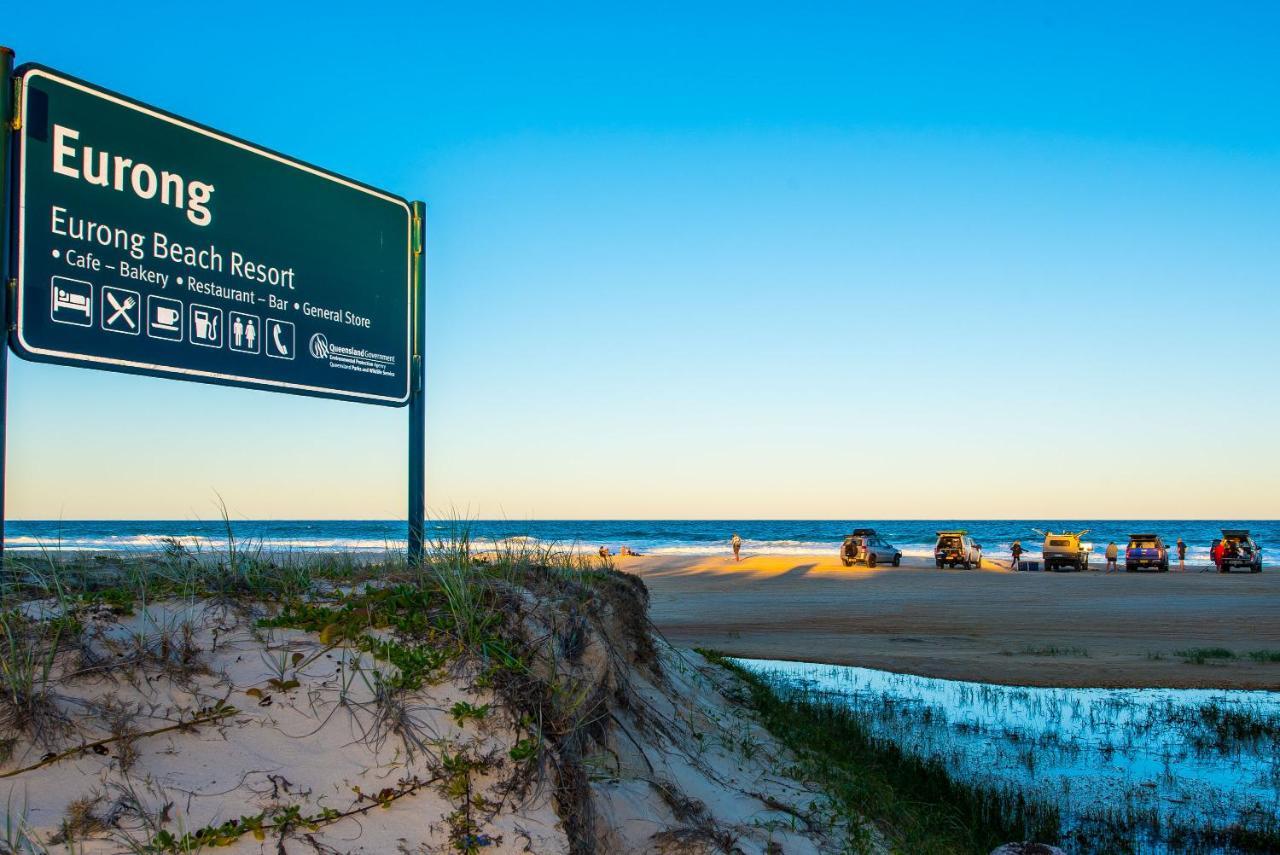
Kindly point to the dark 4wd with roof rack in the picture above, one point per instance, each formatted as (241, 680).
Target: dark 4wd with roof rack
(956, 549)
(1237, 550)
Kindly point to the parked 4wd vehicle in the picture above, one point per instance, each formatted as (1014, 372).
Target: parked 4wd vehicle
(1146, 552)
(957, 549)
(1237, 550)
(1064, 551)
(868, 547)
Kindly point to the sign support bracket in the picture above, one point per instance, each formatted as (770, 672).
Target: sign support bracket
(8, 107)
(417, 401)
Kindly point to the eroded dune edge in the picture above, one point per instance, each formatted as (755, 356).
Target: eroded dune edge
(509, 703)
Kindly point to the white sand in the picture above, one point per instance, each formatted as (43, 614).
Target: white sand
(671, 768)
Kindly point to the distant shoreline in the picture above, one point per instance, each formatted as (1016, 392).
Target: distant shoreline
(690, 538)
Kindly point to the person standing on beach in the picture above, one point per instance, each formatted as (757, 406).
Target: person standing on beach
(1017, 554)
(1182, 556)
(1215, 555)
(1113, 553)
(737, 547)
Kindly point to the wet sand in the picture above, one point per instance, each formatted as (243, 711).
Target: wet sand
(991, 625)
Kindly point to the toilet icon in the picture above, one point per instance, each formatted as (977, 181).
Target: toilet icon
(245, 332)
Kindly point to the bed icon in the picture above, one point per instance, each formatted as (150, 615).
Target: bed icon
(72, 301)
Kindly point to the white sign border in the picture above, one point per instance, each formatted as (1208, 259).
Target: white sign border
(249, 382)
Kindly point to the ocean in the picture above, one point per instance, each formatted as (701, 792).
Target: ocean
(667, 537)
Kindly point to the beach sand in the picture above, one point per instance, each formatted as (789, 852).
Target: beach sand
(189, 717)
(990, 625)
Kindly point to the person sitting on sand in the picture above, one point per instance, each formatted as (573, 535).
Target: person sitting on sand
(737, 547)
(1017, 553)
(604, 552)
(1113, 554)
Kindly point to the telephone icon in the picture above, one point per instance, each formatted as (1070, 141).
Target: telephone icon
(280, 338)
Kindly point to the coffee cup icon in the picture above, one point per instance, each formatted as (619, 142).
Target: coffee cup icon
(166, 317)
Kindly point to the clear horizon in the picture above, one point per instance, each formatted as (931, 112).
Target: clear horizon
(734, 263)
(437, 519)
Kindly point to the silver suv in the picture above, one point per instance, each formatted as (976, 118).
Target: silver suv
(957, 549)
(868, 547)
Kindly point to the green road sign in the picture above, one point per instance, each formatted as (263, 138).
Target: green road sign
(150, 244)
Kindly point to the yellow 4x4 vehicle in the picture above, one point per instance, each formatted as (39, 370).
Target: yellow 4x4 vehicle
(1064, 551)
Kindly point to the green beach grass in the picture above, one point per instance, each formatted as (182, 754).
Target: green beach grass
(915, 803)
(416, 622)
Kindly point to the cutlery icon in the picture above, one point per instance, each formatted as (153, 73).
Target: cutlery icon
(121, 309)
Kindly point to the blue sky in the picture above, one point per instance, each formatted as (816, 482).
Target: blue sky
(747, 260)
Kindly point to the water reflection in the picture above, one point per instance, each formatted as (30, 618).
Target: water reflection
(1158, 762)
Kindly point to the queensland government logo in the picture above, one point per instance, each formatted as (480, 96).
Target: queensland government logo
(319, 346)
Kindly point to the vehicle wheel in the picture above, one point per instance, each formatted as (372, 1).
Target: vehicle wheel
(968, 565)
(871, 559)
(1164, 568)
(939, 563)
(846, 562)
(897, 560)
(1256, 569)
(1127, 567)
(1222, 569)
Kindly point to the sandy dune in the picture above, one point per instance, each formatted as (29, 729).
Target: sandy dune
(185, 725)
(1043, 629)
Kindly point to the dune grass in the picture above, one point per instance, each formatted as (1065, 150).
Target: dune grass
(1054, 650)
(457, 611)
(915, 803)
(1204, 655)
(1207, 655)
(1264, 656)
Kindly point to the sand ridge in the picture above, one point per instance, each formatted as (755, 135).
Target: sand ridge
(179, 724)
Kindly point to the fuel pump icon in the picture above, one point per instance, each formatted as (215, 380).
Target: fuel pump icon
(206, 325)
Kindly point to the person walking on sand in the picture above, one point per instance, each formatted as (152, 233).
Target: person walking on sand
(1113, 553)
(1017, 554)
(737, 548)
(1182, 556)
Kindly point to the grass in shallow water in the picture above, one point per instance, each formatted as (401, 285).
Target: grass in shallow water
(916, 803)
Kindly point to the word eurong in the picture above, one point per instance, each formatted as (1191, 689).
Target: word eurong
(106, 170)
(210, 258)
